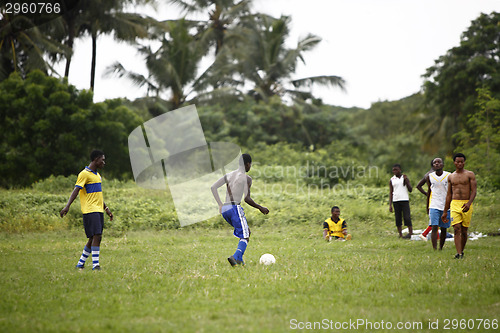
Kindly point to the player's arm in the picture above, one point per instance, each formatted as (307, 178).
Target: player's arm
(108, 211)
(249, 200)
(449, 196)
(215, 193)
(72, 198)
(407, 182)
(421, 184)
(344, 228)
(473, 191)
(428, 181)
(391, 189)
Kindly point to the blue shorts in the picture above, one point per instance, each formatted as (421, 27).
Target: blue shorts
(435, 218)
(235, 216)
(93, 224)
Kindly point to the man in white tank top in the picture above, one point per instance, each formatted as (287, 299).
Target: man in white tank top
(419, 186)
(399, 186)
(436, 200)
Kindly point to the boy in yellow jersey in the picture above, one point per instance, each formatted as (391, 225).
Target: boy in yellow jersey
(335, 227)
(88, 185)
(462, 189)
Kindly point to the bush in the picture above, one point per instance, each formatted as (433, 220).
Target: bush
(47, 127)
(27, 210)
(55, 184)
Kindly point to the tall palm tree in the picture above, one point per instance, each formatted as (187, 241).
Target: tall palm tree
(172, 68)
(23, 46)
(108, 17)
(65, 28)
(223, 15)
(73, 29)
(262, 58)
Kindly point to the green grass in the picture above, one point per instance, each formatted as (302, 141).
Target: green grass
(158, 277)
(180, 281)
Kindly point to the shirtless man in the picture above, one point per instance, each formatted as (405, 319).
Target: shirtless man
(238, 185)
(462, 188)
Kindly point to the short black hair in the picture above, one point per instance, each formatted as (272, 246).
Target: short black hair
(95, 154)
(459, 155)
(335, 207)
(435, 158)
(397, 166)
(246, 158)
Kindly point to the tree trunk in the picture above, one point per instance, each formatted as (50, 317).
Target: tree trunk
(71, 38)
(94, 53)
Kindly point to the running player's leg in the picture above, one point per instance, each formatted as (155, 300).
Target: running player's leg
(236, 217)
(243, 234)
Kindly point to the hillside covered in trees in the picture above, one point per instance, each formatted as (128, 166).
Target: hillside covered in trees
(247, 95)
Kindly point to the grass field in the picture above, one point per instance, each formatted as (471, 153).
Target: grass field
(180, 281)
(157, 277)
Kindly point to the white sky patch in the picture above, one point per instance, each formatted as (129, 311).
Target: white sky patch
(381, 48)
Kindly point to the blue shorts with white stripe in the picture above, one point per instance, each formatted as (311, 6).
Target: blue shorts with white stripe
(235, 216)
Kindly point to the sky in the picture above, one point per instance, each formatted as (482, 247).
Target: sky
(380, 47)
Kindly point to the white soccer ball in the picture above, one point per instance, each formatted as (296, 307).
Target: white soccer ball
(267, 259)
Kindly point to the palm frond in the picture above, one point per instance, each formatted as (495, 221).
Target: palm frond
(300, 95)
(185, 6)
(117, 70)
(308, 43)
(324, 80)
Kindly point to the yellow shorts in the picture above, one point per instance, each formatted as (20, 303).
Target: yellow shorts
(457, 215)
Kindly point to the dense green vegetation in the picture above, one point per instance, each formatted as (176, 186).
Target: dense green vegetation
(46, 124)
(297, 194)
(451, 84)
(245, 97)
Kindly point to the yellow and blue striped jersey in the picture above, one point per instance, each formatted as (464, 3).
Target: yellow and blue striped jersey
(91, 198)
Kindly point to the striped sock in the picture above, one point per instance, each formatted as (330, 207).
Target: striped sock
(95, 256)
(83, 258)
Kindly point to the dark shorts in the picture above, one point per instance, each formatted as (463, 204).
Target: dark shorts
(93, 224)
(402, 212)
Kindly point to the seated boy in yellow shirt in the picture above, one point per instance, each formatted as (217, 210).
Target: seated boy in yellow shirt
(335, 227)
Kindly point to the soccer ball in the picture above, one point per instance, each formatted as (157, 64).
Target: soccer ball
(267, 259)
